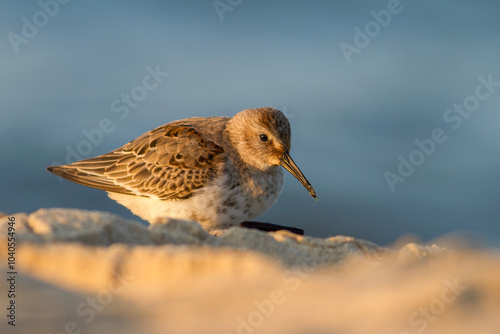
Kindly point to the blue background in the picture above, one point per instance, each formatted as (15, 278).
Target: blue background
(350, 120)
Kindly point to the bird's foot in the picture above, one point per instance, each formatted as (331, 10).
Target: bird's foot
(268, 227)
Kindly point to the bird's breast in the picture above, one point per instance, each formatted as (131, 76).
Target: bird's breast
(263, 184)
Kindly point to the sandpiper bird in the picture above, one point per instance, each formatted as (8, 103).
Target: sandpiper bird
(218, 171)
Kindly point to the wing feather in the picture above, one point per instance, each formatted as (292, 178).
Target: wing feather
(169, 162)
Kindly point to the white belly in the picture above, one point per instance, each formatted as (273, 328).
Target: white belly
(214, 206)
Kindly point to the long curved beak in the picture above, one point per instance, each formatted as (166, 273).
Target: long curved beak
(289, 165)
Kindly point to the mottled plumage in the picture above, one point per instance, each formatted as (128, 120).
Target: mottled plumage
(218, 171)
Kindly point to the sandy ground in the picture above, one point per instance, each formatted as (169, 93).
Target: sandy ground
(93, 272)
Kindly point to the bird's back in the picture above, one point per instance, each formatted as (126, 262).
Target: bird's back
(168, 162)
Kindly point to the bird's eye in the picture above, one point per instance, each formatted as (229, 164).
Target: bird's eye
(263, 137)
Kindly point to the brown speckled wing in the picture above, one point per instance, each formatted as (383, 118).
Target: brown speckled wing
(169, 162)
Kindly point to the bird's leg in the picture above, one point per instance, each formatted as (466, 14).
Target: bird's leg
(268, 227)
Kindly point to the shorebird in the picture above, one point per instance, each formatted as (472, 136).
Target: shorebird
(218, 171)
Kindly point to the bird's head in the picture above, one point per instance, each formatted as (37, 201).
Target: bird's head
(262, 137)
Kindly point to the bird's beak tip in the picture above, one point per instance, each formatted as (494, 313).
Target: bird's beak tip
(288, 163)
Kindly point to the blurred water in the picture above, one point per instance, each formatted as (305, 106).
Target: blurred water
(350, 120)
